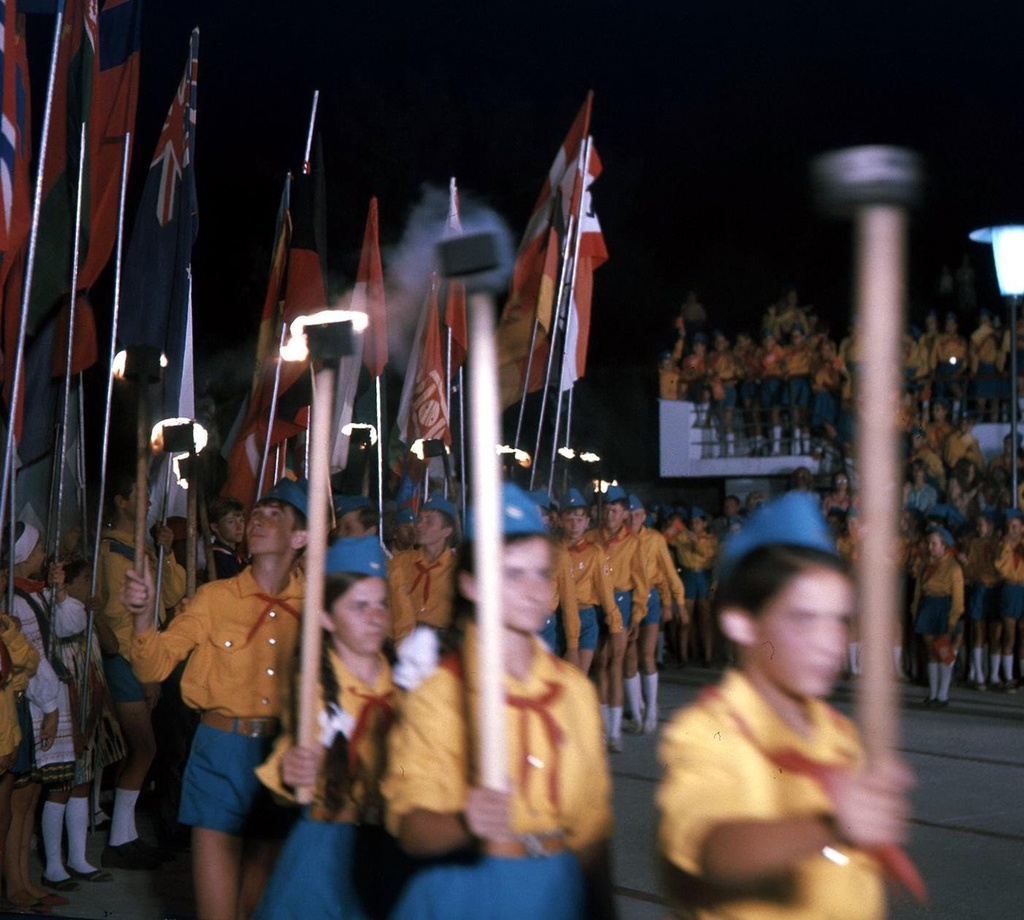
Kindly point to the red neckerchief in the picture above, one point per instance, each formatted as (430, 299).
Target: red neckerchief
(609, 542)
(271, 603)
(373, 703)
(580, 545)
(29, 586)
(540, 706)
(424, 575)
(894, 861)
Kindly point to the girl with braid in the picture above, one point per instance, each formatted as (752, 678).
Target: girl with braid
(313, 876)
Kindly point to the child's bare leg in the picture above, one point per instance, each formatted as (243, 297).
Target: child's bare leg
(217, 871)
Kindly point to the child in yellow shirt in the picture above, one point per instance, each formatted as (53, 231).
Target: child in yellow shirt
(767, 809)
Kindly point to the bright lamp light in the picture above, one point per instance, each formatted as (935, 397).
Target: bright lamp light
(1008, 249)
(296, 348)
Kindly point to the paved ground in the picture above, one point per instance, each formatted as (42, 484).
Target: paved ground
(967, 835)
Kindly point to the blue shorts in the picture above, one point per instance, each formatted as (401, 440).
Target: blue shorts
(749, 390)
(770, 395)
(552, 635)
(653, 617)
(824, 409)
(1012, 602)
(988, 383)
(983, 602)
(588, 628)
(220, 791)
(697, 584)
(492, 888)
(799, 392)
(933, 616)
(124, 685)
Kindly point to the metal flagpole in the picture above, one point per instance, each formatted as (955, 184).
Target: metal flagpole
(30, 262)
(448, 387)
(271, 415)
(462, 444)
(104, 447)
(568, 430)
(564, 295)
(309, 133)
(83, 503)
(158, 592)
(68, 352)
(380, 465)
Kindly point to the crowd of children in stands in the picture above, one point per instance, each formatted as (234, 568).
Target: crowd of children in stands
(789, 391)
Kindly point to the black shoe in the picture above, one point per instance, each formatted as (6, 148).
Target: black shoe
(929, 701)
(940, 704)
(161, 854)
(128, 856)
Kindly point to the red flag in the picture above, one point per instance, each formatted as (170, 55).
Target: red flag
(535, 275)
(429, 418)
(368, 297)
(455, 300)
(15, 140)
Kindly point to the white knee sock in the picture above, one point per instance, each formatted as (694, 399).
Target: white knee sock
(933, 680)
(978, 659)
(122, 823)
(631, 688)
(945, 679)
(1008, 667)
(993, 668)
(76, 817)
(615, 722)
(650, 686)
(53, 833)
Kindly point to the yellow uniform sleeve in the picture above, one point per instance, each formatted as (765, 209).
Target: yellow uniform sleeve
(25, 660)
(155, 654)
(403, 617)
(565, 591)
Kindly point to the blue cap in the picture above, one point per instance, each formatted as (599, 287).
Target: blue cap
(917, 432)
(718, 334)
(915, 332)
(947, 537)
(697, 512)
(541, 498)
(616, 494)
(343, 504)
(795, 519)
(1012, 513)
(573, 499)
(359, 555)
(291, 492)
(405, 516)
(664, 355)
(931, 314)
(634, 502)
(984, 313)
(700, 339)
(797, 327)
(520, 515)
(951, 316)
(440, 504)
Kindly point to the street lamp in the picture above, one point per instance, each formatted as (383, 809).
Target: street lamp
(1007, 243)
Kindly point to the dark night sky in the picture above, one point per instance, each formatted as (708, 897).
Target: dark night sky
(706, 115)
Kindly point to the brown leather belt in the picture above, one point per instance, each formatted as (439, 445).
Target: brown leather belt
(250, 728)
(526, 846)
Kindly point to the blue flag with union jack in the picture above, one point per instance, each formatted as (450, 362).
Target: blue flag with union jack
(155, 302)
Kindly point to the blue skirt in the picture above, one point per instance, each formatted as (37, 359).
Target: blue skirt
(983, 602)
(313, 875)
(933, 616)
(989, 383)
(492, 888)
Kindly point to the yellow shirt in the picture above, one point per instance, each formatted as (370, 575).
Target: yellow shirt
(367, 705)
(242, 644)
(1010, 562)
(25, 660)
(713, 755)
(593, 589)
(942, 578)
(421, 591)
(659, 568)
(558, 772)
(962, 444)
(668, 382)
(624, 566)
(564, 590)
(980, 568)
(115, 558)
(697, 555)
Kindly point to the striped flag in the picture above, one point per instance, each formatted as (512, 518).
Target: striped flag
(535, 276)
(15, 137)
(591, 254)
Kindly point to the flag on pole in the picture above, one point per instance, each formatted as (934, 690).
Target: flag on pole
(115, 92)
(423, 409)
(157, 265)
(591, 254)
(535, 276)
(368, 297)
(15, 138)
(296, 288)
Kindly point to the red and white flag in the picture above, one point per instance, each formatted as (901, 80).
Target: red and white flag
(591, 254)
(535, 276)
(368, 297)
